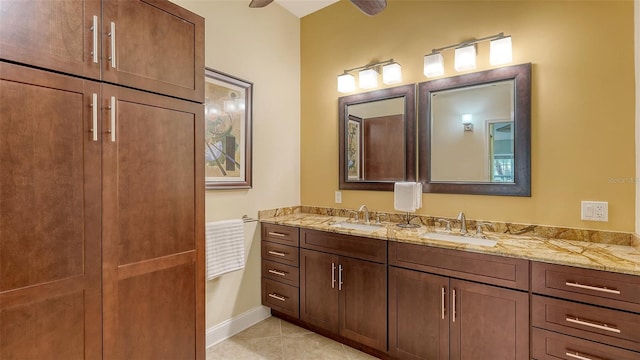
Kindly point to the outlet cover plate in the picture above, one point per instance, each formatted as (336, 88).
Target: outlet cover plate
(594, 211)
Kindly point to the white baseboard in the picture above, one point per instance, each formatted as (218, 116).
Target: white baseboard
(228, 328)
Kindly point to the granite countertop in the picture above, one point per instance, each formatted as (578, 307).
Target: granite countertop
(585, 254)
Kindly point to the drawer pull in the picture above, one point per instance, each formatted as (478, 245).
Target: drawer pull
(277, 253)
(333, 275)
(442, 309)
(276, 272)
(277, 234)
(594, 288)
(606, 327)
(576, 355)
(277, 297)
(453, 302)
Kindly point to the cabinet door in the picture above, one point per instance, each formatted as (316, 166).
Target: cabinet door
(418, 315)
(154, 45)
(319, 289)
(50, 292)
(153, 226)
(57, 35)
(363, 302)
(488, 322)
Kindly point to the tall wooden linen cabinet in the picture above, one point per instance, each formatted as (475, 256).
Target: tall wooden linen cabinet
(101, 180)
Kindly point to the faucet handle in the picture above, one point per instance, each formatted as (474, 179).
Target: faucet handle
(447, 224)
(356, 216)
(378, 216)
(479, 226)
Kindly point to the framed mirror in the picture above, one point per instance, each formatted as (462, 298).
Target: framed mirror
(475, 133)
(377, 138)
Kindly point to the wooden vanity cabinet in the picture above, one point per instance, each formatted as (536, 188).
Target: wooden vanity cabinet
(581, 313)
(343, 286)
(435, 312)
(280, 273)
(153, 45)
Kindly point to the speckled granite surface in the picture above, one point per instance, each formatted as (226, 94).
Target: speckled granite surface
(600, 250)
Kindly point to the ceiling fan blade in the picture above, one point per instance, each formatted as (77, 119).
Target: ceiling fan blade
(370, 7)
(259, 3)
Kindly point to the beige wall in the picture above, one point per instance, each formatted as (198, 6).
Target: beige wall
(261, 46)
(582, 98)
(637, 48)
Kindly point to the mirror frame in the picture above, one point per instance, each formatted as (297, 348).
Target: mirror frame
(406, 91)
(521, 74)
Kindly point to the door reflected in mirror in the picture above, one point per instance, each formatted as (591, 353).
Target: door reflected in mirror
(377, 138)
(472, 133)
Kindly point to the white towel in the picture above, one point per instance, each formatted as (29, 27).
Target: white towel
(225, 247)
(407, 196)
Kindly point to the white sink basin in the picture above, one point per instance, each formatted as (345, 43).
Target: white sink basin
(357, 226)
(458, 239)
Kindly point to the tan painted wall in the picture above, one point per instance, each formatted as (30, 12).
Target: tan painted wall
(261, 46)
(582, 107)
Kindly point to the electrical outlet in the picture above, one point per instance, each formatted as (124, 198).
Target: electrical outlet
(338, 197)
(594, 211)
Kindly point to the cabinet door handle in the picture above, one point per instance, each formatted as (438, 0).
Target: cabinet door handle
(594, 288)
(453, 303)
(588, 323)
(442, 310)
(112, 122)
(94, 117)
(577, 355)
(276, 253)
(340, 277)
(112, 35)
(276, 272)
(94, 28)
(333, 275)
(277, 297)
(277, 234)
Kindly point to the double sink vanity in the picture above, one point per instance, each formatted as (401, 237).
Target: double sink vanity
(430, 293)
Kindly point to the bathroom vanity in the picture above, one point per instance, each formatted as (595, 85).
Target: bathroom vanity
(396, 294)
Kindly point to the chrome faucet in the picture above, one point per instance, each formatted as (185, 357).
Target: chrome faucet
(463, 223)
(366, 214)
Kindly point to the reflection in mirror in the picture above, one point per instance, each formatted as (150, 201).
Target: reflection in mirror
(376, 138)
(475, 132)
(481, 149)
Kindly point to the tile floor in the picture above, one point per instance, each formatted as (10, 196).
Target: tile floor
(275, 339)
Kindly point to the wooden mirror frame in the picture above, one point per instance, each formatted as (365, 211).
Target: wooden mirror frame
(406, 91)
(521, 74)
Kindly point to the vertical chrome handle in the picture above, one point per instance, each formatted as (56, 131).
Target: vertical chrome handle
(453, 302)
(577, 355)
(112, 123)
(112, 35)
(333, 275)
(94, 117)
(339, 277)
(442, 310)
(94, 28)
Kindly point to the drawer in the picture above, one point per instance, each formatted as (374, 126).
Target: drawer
(286, 274)
(281, 297)
(547, 345)
(618, 328)
(281, 234)
(280, 253)
(618, 291)
(347, 245)
(489, 269)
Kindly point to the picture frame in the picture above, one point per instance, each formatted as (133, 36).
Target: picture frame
(354, 148)
(228, 114)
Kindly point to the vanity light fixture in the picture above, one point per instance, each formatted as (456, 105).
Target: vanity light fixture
(465, 55)
(368, 76)
(467, 122)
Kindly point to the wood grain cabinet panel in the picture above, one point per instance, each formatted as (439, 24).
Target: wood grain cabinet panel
(58, 35)
(157, 46)
(50, 180)
(548, 345)
(281, 234)
(151, 220)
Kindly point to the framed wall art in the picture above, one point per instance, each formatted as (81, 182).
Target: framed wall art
(228, 135)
